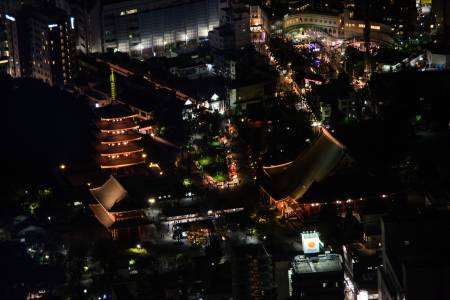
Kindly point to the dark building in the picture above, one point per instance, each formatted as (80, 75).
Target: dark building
(85, 22)
(252, 273)
(46, 48)
(440, 10)
(415, 261)
(9, 52)
(361, 264)
(317, 277)
(400, 14)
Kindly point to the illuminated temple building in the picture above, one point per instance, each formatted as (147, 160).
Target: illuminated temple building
(117, 138)
(286, 183)
(122, 215)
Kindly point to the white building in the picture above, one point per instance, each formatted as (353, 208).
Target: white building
(141, 27)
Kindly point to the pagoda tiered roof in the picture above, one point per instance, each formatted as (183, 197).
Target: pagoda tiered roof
(117, 136)
(122, 161)
(106, 150)
(108, 126)
(114, 112)
(105, 138)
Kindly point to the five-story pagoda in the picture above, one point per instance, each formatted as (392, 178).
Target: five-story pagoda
(117, 137)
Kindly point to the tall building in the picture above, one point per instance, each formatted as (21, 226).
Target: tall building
(252, 273)
(441, 16)
(234, 30)
(46, 49)
(400, 14)
(259, 25)
(9, 52)
(415, 261)
(141, 27)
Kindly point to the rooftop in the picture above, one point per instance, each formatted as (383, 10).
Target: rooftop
(329, 262)
(314, 164)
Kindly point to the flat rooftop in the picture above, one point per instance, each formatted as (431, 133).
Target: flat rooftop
(317, 264)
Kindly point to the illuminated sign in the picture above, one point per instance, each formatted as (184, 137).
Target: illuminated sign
(52, 25)
(129, 12)
(72, 22)
(310, 242)
(8, 17)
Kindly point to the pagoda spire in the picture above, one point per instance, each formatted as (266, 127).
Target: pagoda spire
(112, 81)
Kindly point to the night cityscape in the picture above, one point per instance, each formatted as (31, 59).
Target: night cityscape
(225, 149)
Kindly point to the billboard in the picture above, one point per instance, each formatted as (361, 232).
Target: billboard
(310, 242)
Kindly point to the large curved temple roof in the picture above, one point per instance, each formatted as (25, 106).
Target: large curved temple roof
(109, 193)
(316, 162)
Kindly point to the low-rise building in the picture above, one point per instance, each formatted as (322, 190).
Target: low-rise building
(317, 277)
(438, 58)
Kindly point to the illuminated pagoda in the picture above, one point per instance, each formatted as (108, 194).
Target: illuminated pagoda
(117, 137)
(286, 183)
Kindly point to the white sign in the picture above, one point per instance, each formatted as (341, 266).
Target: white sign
(310, 243)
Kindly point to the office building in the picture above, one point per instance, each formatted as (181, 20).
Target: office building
(252, 272)
(9, 52)
(45, 44)
(440, 10)
(234, 30)
(400, 14)
(145, 28)
(259, 25)
(317, 277)
(415, 264)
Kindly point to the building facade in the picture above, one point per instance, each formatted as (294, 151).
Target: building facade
(144, 28)
(317, 277)
(45, 44)
(339, 26)
(252, 273)
(9, 47)
(234, 30)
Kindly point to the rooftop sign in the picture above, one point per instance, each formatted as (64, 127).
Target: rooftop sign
(310, 242)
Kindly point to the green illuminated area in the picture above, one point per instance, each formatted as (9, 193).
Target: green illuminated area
(204, 161)
(138, 251)
(219, 177)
